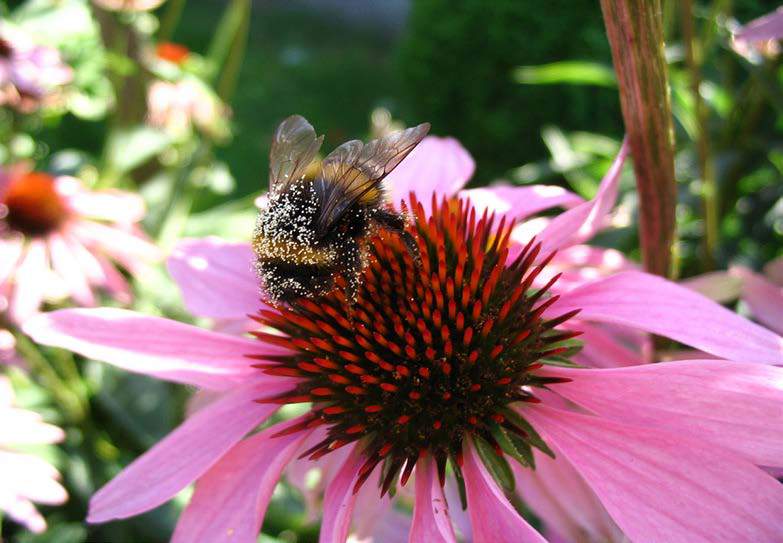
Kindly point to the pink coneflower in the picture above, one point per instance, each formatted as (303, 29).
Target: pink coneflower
(179, 107)
(57, 237)
(25, 478)
(443, 372)
(30, 74)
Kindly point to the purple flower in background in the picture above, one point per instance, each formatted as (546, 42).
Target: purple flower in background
(30, 74)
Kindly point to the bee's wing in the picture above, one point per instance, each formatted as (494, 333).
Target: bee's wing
(293, 149)
(353, 172)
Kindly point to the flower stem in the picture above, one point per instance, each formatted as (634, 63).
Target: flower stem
(171, 19)
(68, 398)
(709, 189)
(635, 32)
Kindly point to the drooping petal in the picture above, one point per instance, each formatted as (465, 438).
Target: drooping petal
(653, 304)
(601, 348)
(718, 286)
(370, 508)
(492, 518)
(231, 498)
(108, 205)
(660, 486)
(764, 298)
(30, 277)
(582, 222)
(340, 500)
(20, 426)
(437, 165)
(66, 265)
(431, 520)
(518, 203)
(560, 496)
(216, 278)
(734, 405)
(10, 251)
(184, 455)
(154, 346)
(126, 246)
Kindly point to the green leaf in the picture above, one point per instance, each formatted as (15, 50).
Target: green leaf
(515, 446)
(496, 464)
(533, 437)
(567, 72)
(127, 149)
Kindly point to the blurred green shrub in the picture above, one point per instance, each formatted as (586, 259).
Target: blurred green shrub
(457, 60)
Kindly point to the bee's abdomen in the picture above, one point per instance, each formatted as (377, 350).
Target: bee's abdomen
(291, 251)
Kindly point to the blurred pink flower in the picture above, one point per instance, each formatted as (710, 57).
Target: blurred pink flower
(57, 237)
(759, 37)
(128, 5)
(8, 355)
(25, 478)
(30, 74)
(178, 107)
(667, 451)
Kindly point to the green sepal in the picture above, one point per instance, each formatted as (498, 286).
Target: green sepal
(496, 464)
(560, 361)
(515, 446)
(463, 495)
(533, 437)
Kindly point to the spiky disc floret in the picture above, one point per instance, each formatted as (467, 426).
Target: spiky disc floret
(430, 352)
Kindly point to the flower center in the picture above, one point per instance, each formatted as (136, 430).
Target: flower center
(430, 352)
(32, 206)
(6, 50)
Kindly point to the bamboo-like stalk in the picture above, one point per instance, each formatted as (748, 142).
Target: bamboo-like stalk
(635, 32)
(709, 189)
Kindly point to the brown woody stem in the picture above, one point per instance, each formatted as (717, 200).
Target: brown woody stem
(635, 32)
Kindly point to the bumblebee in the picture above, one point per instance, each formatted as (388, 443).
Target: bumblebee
(315, 228)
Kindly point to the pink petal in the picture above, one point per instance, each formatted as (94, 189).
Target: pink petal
(431, 520)
(493, 518)
(774, 270)
(108, 205)
(659, 306)
(10, 251)
(20, 426)
(734, 405)
(768, 27)
(659, 486)
(159, 347)
(340, 500)
(231, 498)
(583, 221)
(601, 348)
(437, 165)
(518, 203)
(115, 282)
(216, 278)
(559, 495)
(66, 265)
(764, 298)
(31, 280)
(370, 508)
(184, 455)
(128, 247)
(718, 286)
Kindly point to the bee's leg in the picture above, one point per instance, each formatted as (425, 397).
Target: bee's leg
(396, 223)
